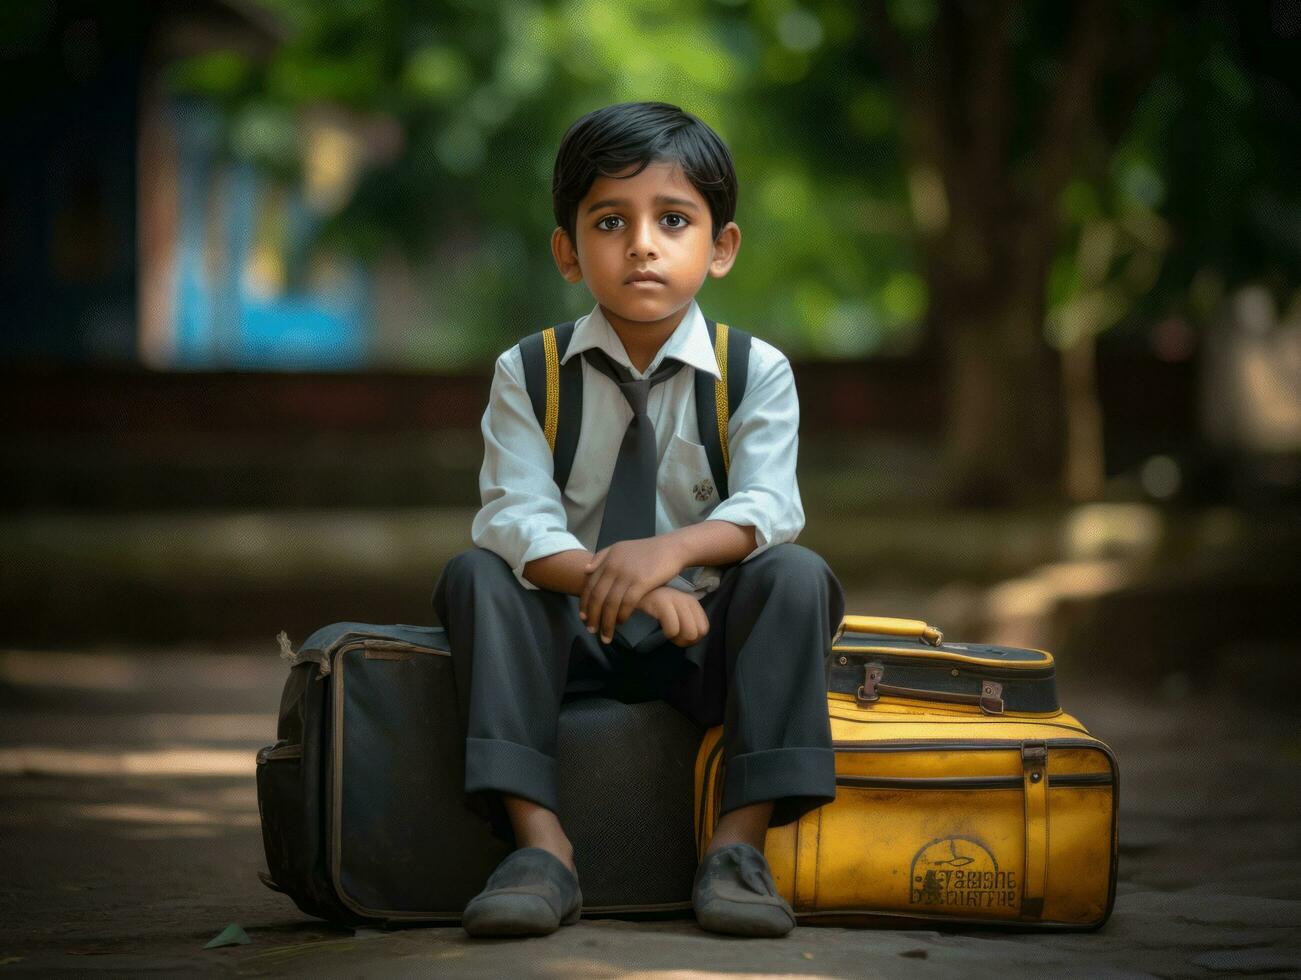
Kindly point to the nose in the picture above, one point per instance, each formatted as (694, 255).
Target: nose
(642, 242)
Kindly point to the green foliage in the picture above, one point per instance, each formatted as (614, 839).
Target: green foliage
(479, 93)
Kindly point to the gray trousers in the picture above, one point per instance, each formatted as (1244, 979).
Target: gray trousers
(760, 671)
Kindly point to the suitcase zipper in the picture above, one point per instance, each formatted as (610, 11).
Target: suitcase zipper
(974, 718)
(971, 782)
(928, 659)
(912, 745)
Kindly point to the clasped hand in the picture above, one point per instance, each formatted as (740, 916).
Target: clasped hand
(630, 575)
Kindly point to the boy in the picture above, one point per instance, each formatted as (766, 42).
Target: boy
(548, 602)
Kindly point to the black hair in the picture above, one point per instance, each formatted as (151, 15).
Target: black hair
(606, 141)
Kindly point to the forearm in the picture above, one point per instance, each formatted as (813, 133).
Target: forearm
(706, 543)
(561, 572)
(712, 542)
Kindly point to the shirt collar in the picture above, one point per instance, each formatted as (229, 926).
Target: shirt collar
(689, 343)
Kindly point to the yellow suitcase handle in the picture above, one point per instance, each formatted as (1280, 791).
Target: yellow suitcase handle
(891, 627)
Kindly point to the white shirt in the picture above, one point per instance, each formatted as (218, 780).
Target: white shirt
(524, 516)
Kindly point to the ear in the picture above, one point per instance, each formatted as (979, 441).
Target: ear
(726, 245)
(566, 256)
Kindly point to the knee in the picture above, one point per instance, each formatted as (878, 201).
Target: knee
(470, 567)
(794, 575)
(788, 566)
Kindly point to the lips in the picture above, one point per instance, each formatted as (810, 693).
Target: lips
(645, 276)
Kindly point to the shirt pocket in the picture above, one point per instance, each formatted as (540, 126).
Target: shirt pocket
(686, 482)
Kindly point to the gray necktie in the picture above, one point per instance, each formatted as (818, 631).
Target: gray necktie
(630, 502)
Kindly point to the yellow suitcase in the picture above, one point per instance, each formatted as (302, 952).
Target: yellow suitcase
(963, 792)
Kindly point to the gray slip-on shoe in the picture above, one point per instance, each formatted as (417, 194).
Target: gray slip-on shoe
(734, 893)
(531, 893)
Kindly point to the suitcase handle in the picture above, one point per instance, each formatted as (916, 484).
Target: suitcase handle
(889, 626)
(989, 700)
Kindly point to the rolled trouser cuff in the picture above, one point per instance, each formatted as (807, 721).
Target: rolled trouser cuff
(797, 780)
(511, 768)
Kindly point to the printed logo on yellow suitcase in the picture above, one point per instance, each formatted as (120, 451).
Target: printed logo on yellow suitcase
(961, 873)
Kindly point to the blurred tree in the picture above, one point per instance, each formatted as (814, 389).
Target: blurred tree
(1071, 167)
(1005, 180)
(1003, 104)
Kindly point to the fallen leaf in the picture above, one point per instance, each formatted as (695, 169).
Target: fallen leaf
(232, 935)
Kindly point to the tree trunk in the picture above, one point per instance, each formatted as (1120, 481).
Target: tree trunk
(1085, 472)
(1004, 406)
(986, 216)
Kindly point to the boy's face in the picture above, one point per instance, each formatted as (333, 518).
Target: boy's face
(655, 223)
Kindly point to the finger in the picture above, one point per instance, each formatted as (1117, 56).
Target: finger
(585, 596)
(631, 600)
(669, 622)
(683, 639)
(596, 605)
(597, 600)
(689, 628)
(603, 574)
(610, 612)
(700, 619)
(593, 568)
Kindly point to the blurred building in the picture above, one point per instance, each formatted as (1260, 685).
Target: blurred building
(129, 233)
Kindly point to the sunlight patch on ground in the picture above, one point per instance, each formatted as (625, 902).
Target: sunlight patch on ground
(252, 729)
(578, 969)
(50, 761)
(136, 813)
(1112, 530)
(230, 727)
(125, 673)
(1034, 596)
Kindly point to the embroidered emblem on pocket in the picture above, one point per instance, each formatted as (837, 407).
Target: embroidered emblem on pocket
(703, 490)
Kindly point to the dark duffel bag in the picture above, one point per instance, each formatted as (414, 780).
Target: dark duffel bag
(364, 816)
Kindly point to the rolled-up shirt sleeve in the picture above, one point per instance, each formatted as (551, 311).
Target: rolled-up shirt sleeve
(522, 516)
(763, 442)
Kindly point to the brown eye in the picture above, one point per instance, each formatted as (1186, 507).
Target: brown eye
(682, 222)
(609, 217)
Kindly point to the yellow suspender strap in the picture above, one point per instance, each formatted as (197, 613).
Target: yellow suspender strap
(720, 390)
(553, 386)
(552, 420)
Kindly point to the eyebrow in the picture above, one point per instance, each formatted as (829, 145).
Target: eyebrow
(659, 199)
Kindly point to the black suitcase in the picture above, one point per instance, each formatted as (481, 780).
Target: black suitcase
(364, 819)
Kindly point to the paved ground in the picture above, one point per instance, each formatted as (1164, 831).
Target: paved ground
(129, 838)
